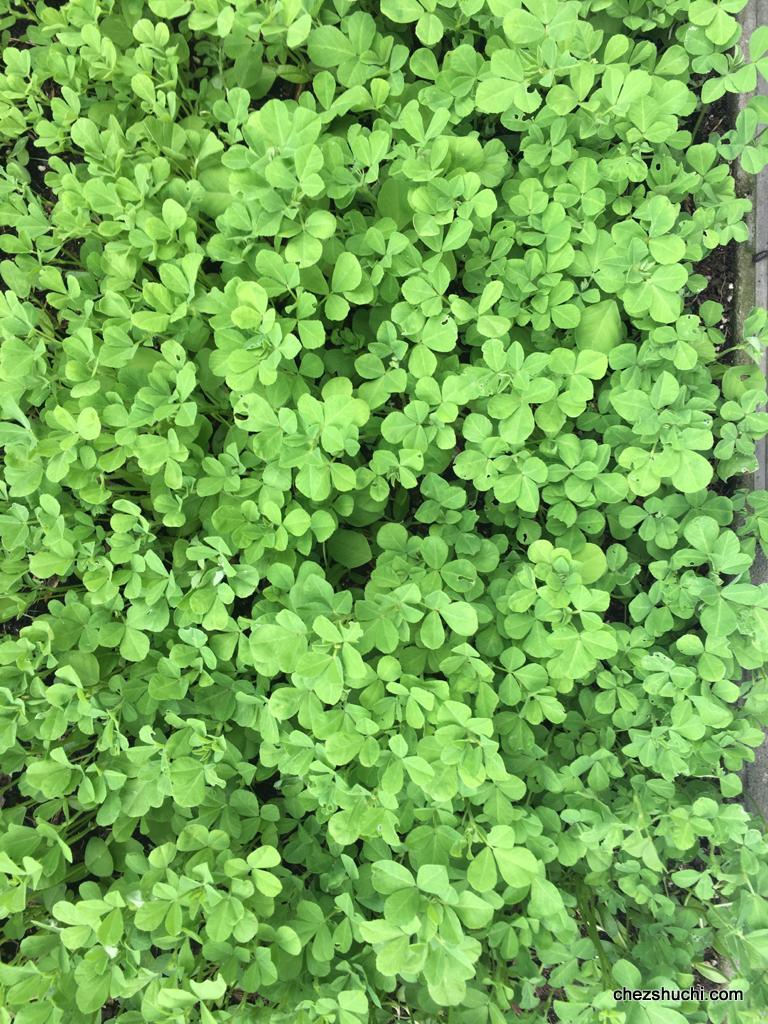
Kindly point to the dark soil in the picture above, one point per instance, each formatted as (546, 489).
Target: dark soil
(719, 267)
(281, 90)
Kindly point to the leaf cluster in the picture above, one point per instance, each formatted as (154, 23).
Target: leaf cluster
(374, 542)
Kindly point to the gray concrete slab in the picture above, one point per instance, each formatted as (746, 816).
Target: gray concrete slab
(752, 290)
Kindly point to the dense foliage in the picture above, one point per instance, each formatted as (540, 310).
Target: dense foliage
(379, 639)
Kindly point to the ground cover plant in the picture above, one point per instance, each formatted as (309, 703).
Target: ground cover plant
(379, 636)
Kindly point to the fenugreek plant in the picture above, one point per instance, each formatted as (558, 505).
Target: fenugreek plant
(375, 548)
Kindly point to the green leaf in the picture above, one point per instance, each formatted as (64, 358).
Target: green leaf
(496, 95)
(288, 940)
(631, 404)
(328, 47)
(401, 11)
(517, 866)
(134, 645)
(388, 876)
(702, 533)
(431, 633)
(187, 781)
(98, 858)
(212, 989)
(600, 327)
(88, 424)
(433, 878)
(545, 901)
(650, 1013)
(170, 8)
(693, 473)
(460, 617)
(349, 548)
(45, 564)
(429, 29)
(264, 857)
(347, 274)
(481, 874)
(522, 28)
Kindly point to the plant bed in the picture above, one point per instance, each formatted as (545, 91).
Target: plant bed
(378, 636)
